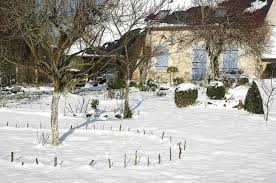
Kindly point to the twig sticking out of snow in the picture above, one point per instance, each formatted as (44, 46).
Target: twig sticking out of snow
(159, 159)
(170, 154)
(92, 162)
(136, 158)
(12, 156)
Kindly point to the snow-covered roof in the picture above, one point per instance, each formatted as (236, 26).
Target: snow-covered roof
(271, 53)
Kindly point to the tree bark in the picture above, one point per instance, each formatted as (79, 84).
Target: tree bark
(127, 111)
(54, 118)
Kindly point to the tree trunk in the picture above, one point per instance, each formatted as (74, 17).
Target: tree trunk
(54, 118)
(214, 67)
(127, 111)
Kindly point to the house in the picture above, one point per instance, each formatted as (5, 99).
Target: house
(192, 61)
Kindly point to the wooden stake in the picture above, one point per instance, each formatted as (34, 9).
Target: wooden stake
(120, 128)
(55, 161)
(148, 161)
(184, 146)
(125, 161)
(36, 160)
(170, 154)
(163, 134)
(159, 159)
(136, 158)
(180, 151)
(27, 125)
(109, 163)
(12, 156)
(7, 123)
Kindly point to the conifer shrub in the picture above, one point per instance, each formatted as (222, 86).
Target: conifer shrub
(243, 81)
(185, 95)
(253, 101)
(216, 90)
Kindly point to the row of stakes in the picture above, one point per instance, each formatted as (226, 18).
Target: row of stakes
(110, 163)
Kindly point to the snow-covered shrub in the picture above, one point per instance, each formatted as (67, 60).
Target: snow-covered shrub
(178, 81)
(216, 90)
(152, 85)
(185, 94)
(132, 84)
(253, 101)
(243, 81)
(94, 103)
(160, 93)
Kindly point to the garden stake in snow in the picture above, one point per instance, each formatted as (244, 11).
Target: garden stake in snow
(12, 156)
(7, 123)
(109, 163)
(170, 138)
(159, 159)
(144, 132)
(40, 125)
(120, 128)
(170, 154)
(27, 125)
(15, 125)
(148, 161)
(180, 152)
(163, 134)
(184, 149)
(55, 161)
(138, 131)
(136, 158)
(92, 162)
(36, 161)
(125, 161)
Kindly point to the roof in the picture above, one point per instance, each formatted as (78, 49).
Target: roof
(257, 9)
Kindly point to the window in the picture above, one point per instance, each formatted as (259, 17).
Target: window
(162, 59)
(199, 64)
(230, 60)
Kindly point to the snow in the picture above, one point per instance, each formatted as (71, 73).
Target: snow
(223, 144)
(216, 84)
(185, 87)
(256, 5)
(271, 53)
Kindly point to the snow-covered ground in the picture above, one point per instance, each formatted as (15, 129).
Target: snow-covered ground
(223, 144)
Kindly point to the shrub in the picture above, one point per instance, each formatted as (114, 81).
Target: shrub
(178, 81)
(185, 95)
(152, 85)
(94, 103)
(270, 71)
(118, 84)
(160, 93)
(216, 90)
(253, 101)
(243, 81)
(132, 84)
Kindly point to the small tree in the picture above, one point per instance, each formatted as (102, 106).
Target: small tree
(253, 101)
(172, 70)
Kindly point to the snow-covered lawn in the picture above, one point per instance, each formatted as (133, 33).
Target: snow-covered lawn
(223, 144)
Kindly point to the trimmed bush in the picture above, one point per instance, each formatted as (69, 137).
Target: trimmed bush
(185, 95)
(152, 85)
(118, 84)
(253, 101)
(160, 93)
(216, 90)
(132, 84)
(243, 81)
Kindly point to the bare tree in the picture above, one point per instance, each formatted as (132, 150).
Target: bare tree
(220, 26)
(127, 23)
(51, 28)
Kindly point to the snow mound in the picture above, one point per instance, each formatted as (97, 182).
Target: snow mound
(186, 87)
(216, 84)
